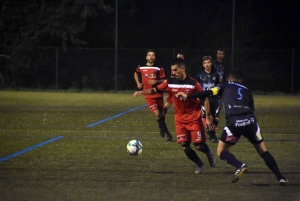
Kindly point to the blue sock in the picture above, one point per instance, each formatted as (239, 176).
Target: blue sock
(230, 159)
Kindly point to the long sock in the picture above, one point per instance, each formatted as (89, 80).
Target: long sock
(271, 163)
(204, 148)
(191, 154)
(162, 124)
(211, 134)
(230, 159)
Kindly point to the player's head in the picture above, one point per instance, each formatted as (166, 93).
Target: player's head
(178, 68)
(235, 76)
(220, 55)
(207, 63)
(180, 55)
(150, 56)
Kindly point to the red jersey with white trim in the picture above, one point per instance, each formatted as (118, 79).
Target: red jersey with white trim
(151, 73)
(188, 110)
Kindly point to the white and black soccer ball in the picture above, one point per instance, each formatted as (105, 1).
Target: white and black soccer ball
(134, 147)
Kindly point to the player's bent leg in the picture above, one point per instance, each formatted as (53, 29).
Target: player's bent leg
(225, 155)
(270, 162)
(203, 147)
(191, 154)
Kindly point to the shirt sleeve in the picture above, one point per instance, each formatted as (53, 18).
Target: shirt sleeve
(138, 70)
(162, 87)
(198, 87)
(162, 73)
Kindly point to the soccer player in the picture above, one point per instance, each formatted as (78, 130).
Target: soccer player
(220, 68)
(151, 75)
(169, 100)
(240, 120)
(209, 79)
(187, 113)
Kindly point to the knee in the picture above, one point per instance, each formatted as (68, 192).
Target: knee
(185, 147)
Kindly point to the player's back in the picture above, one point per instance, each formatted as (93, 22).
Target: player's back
(237, 99)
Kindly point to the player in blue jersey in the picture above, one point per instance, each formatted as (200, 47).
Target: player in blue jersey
(208, 79)
(219, 67)
(240, 120)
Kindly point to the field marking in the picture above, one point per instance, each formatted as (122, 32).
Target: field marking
(117, 115)
(29, 149)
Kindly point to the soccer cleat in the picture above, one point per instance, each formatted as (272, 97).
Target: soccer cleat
(211, 158)
(283, 182)
(199, 169)
(239, 173)
(162, 132)
(169, 137)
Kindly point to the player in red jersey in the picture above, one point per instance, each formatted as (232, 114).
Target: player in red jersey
(169, 100)
(187, 113)
(151, 76)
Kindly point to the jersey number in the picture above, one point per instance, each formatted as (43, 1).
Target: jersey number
(239, 92)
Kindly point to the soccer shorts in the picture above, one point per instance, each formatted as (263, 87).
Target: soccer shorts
(236, 126)
(214, 108)
(155, 103)
(190, 132)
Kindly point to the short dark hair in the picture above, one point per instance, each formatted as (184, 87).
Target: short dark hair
(220, 50)
(236, 74)
(178, 61)
(207, 58)
(150, 50)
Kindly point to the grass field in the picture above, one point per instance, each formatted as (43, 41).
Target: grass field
(92, 163)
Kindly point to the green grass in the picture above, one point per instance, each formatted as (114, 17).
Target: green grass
(92, 163)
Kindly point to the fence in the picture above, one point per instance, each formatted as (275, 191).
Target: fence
(86, 68)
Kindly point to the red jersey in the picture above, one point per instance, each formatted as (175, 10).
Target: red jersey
(150, 73)
(185, 111)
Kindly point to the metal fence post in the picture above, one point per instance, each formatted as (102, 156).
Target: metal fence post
(56, 68)
(292, 89)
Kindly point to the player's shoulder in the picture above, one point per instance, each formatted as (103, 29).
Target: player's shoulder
(200, 72)
(191, 80)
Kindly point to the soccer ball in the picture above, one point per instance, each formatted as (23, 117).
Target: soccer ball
(134, 147)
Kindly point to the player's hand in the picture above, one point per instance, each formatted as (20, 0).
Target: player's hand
(209, 123)
(140, 86)
(152, 82)
(181, 95)
(137, 93)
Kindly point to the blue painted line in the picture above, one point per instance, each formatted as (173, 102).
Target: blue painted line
(29, 149)
(117, 115)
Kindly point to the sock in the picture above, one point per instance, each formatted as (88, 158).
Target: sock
(230, 159)
(191, 154)
(204, 148)
(211, 134)
(162, 124)
(271, 163)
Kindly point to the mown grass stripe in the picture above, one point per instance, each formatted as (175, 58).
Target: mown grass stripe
(29, 149)
(112, 117)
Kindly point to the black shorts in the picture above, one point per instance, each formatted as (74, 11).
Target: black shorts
(214, 107)
(245, 125)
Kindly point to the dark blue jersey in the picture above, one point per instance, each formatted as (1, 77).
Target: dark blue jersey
(207, 80)
(236, 98)
(220, 69)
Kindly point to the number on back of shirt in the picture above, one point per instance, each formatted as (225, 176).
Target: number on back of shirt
(240, 94)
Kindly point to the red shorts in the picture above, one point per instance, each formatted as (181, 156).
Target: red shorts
(193, 131)
(155, 103)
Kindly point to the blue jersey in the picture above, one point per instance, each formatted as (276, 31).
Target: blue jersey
(220, 69)
(236, 98)
(207, 80)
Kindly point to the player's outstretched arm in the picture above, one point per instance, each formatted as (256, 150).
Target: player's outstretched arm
(212, 91)
(144, 92)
